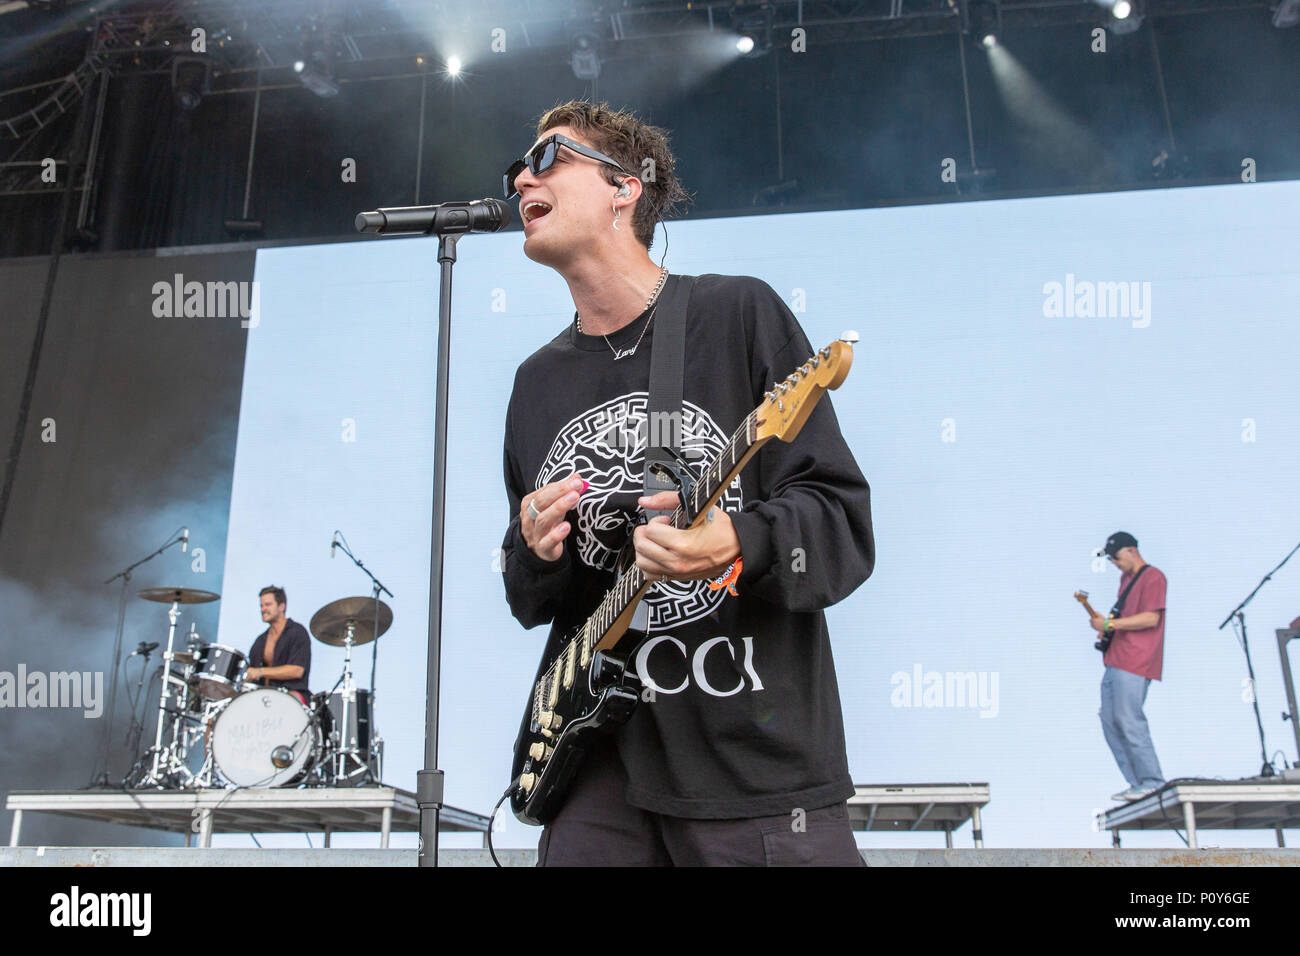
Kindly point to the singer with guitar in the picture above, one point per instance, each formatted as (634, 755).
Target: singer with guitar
(731, 751)
(1133, 644)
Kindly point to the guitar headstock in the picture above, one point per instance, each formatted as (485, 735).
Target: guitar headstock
(1081, 596)
(787, 406)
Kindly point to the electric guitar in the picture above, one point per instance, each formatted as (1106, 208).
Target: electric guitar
(586, 688)
(1104, 643)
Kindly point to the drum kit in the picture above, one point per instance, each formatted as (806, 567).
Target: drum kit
(214, 729)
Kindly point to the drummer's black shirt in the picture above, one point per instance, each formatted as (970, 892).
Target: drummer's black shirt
(293, 647)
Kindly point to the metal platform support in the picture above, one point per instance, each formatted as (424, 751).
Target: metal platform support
(205, 812)
(898, 807)
(1255, 803)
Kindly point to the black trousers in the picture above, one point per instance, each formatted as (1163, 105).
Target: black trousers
(597, 827)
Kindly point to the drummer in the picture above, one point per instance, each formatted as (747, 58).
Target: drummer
(281, 655)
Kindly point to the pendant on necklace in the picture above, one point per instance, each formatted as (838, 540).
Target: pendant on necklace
(625, 353)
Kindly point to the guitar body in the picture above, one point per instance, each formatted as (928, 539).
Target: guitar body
(597, 701)
(584, 688)
(1104, 643)
(593, 712)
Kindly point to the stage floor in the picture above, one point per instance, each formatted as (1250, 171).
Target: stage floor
(325, 810)
(183, 857)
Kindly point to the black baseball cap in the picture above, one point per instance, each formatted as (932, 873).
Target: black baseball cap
(1120, 539)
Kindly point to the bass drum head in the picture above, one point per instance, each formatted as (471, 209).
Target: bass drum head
(259, 729)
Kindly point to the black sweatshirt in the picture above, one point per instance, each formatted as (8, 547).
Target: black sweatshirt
(743, 717)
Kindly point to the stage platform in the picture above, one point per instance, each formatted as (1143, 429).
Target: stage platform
(1255, 803)
(181, 857)
(265, 810)
(912, 807)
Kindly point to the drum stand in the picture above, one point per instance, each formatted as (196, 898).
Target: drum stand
(166, 765)
(347, 747)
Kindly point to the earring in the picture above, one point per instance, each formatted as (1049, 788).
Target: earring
(618, 213)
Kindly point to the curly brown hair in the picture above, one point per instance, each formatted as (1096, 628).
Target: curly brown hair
(639, 147)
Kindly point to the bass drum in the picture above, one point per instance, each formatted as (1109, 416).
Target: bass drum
(265, 738)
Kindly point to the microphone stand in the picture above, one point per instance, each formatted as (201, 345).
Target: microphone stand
(448, 222)
(376, 588)
(102, 779)
(429, 781)
(1239, 613)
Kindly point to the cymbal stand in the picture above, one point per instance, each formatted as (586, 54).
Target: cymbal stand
(165, 762)
(346, 747)
(376, 588)
(103, 778)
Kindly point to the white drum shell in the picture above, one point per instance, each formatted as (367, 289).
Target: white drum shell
(249, 729)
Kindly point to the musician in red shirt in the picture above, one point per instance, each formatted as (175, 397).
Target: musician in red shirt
(1133, 660)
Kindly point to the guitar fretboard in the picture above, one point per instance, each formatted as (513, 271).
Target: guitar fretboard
(577, 653)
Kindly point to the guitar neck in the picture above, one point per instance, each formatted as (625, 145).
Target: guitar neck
(608, 622)
(1088, 607)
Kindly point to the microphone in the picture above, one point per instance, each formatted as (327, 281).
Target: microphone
(281, 757)
(448, 218)
(185, 540)
(334, 543)
(144, 648)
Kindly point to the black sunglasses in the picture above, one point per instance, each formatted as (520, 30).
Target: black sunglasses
(542, 157)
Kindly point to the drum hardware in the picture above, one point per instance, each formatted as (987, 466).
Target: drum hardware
(103, 773)
(166, 765)
(350, 622)
(136, 729)
(177, 718)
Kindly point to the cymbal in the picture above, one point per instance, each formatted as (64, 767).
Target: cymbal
(178, 595)
(329, 625)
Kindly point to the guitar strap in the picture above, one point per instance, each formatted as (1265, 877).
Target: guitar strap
(667, 369)
(664, 403)
(1119, 605)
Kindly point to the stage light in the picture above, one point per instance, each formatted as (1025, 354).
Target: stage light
(245, 228)
(982, 19)
(453, 66)
(1286, 14)
(584, 56)
(1126, 17)
(755, 31)
(299, 66)
(191, 78)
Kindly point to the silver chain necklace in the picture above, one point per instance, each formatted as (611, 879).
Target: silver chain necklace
(628, 353)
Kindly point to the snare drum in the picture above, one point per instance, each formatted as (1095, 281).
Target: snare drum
(218, 671)
(265, 738)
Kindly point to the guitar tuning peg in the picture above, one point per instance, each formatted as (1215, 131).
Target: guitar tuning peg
(849, 336)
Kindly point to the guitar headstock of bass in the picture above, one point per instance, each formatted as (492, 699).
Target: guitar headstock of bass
(787, 406)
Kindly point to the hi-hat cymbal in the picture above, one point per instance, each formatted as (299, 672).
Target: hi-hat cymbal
(178, 595)
(330, 624)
